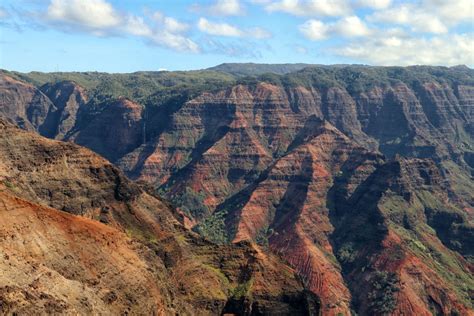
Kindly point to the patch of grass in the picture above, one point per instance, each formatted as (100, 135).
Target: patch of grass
(217, 272)
(141, 235)
(242, 289)
(9, 185)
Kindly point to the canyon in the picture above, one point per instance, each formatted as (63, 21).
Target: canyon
(305, 190)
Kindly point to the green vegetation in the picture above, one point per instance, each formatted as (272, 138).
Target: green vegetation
(263, 235)
(460, 180)
(142, 235)
(382, 297)
(9, 185)
(451, 225)
(213, 228)
(357, 78)
(218, 273)
(442, 221)
(148, 88)
(153, 88)
(251, 69)
(347, 254)
(242, 289)
(191, 202)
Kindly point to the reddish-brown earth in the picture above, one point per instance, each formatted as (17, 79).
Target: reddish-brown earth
(56, 263)
(360, 177)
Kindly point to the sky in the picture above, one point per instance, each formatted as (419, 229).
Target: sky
(134, 35)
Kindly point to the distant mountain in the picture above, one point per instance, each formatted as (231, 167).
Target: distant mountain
(251, 69)
(360, 177)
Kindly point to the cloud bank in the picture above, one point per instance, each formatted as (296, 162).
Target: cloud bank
(379, 32)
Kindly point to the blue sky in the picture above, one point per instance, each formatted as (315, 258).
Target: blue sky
(126, 36)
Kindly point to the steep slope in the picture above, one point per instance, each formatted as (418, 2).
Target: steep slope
(70, 99)
(389, 247)
(114, 131)
(344, 217)
(53, 262)
(24, 104)
(288, 205)
(170, 268)
(230, 136)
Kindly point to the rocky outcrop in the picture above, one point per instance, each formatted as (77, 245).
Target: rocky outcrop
(288, 207)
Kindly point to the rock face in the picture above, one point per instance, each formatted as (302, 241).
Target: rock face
(360, 177)
(115, 131)
(24, 104)
(70, 100)
(125, 253)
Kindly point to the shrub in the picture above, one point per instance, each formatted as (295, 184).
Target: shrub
(382, 297)
(347, 254)
(213, 228)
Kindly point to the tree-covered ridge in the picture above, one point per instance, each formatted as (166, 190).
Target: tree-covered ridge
(252, 69)
(137, 86)
(148, 87)
(356, 78)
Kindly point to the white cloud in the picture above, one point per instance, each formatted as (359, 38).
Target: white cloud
(321, 7)
(393, 50)
(452, 12)
(220, 29)
(100, 18)
(375, 4)
(428, 16)
(314, 30)
(409, 15)
(92, 14)
(136, 26)
(220, 8)
(224, 29)
(260, 1)
(170, 24)
(226, 7)
(310, 7)
(175, 41)
(394, 32)
(350, 26)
